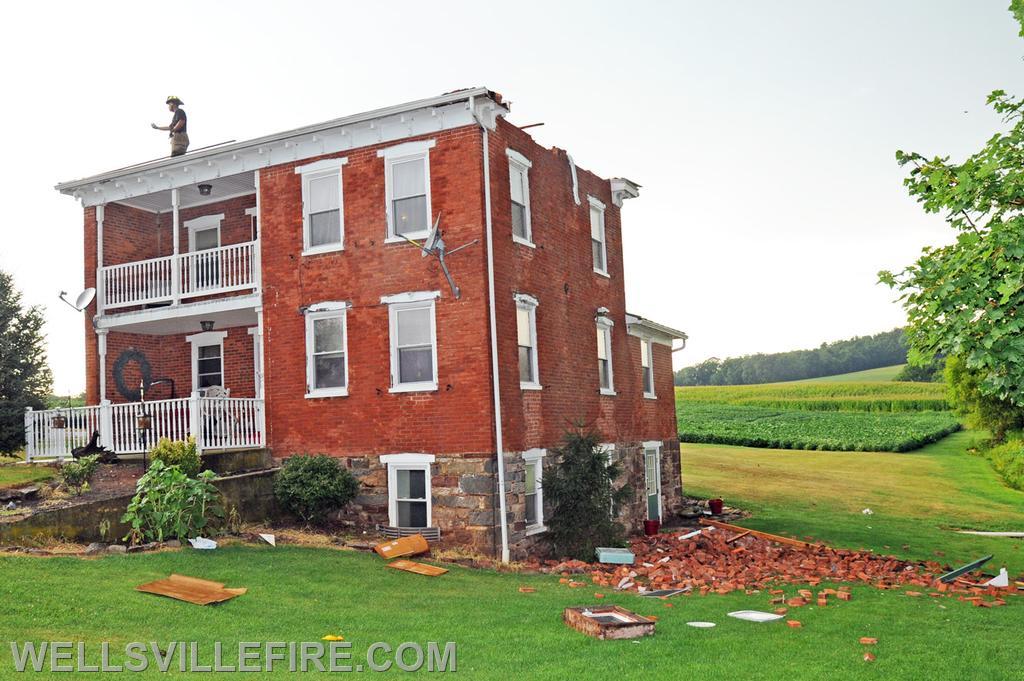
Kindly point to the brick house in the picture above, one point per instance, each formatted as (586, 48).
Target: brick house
(266, 294)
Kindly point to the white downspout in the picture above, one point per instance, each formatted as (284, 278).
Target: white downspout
(499, 442)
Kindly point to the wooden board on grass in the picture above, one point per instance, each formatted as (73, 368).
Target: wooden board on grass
(405, 546)
(190, 590)
(418, 568)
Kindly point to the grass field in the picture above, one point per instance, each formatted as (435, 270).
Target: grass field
(15, 475)
(301, 594)
(879, 374)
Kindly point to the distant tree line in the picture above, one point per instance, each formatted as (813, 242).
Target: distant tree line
(855, 354)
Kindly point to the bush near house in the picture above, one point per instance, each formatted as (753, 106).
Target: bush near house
(170, 505)
(311, 487)
(76, 474)
(180, 453)
(580, 491)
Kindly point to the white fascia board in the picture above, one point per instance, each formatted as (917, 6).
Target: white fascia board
(206, 337)
(519, 158)
(226, 304)
(526, 299)
(407, 458)
(407, 149)
(329, 306)
(318, 166)
(414, 119)
(659, 333)
(410, 297)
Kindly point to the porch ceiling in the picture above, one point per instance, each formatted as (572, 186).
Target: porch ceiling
(185, 321)
(222, 188)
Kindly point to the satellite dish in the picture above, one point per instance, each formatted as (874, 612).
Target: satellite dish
(434, 245)
(433, 242)
(83, 299)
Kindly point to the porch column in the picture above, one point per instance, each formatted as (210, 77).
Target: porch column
(175, 264)
(261, 387)
(106, 423)
(100, 293)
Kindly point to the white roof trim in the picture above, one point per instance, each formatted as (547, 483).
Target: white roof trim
(519, 158)
(646, 329)
(410, 297)
(407, 458)
(407, 149)
(317, 166)
(623, 189)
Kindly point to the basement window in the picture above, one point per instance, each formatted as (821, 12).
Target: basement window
(533, 490)
(326, 350)
(526, 332)
(647, 367)
(413, 339)
(323, 224)
(604, 356)
(519, 187)
(409, 502)
(598, 242)
(407, 190)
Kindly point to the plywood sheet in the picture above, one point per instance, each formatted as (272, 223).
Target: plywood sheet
(405, 546)
(418, 568)
(190, 589)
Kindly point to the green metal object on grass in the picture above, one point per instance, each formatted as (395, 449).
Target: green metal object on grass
(964, 569)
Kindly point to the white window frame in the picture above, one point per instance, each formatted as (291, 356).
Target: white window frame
(656, 446)
(609, 452)
(529, 303)
(605, 325)
(205, 339)
(400, 153)
(315, 171)
(535, 457)
(649, 345)
(326, 310)
(517, 163)
(409, 301)
(408, 462)
(201, 224)
(595, 203)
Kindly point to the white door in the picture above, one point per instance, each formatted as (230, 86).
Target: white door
(206, 268)
(652, 486)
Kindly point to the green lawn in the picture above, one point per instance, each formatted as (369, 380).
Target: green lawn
(18, 474)
(879, 374)
(916, 497)
(301, 594)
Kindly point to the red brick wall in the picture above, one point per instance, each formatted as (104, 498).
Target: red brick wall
(370, 420)
(171, 357)
(559, 273)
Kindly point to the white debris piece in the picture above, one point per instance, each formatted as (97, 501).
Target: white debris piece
(1002, 579)
(269, 538)
(202, 543)
(868, 511)
(689, 535)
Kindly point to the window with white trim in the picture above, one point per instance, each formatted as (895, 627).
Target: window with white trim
(323, 221)
(409, 500)
(604, 356)
(608, 449)
(207, 359)
(647, 367)
(598, 243)
(413, 339)
(407, 189)
(526, 333)
(652, 479)
(533, 490)
(327, 350)
(519, 187)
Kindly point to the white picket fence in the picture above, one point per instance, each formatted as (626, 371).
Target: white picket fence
(199, 273)
(215, 422)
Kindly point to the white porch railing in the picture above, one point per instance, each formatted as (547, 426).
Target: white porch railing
(215, 422)
(170, 278)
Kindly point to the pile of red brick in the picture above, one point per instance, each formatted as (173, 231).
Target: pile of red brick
(716, 561)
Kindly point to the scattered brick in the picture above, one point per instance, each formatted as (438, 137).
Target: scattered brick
(869, 657)
(868, 640)
(794, 624)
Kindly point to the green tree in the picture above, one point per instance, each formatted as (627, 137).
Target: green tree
(25, 378)
(579, 489)
(966, 300)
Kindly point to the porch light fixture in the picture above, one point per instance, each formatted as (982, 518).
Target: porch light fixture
(205, 189)
(206, 325)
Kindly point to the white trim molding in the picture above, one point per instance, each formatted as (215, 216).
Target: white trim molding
(320, 166)
(657, 333)
(200, 224)
(535, 457)
(407, 149)
(598, 205)
(575, 180)
(410, 297)
(205, 339)
(647, 348)
(312, 172)
(519, 168)
(314, 313)
(528, 304)
(402, 303)
(623, 189)
(604, 327)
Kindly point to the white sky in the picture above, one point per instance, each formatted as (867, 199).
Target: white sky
(763, 133)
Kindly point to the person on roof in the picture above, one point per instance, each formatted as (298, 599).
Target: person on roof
(178, 128)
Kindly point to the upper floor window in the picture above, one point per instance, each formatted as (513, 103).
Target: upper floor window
(647, 366)
(407, 189)
(323, 222)
(526, 334)
(413, 338)
(326, 350)
(519, 186)
(598, 242)
(604, 355)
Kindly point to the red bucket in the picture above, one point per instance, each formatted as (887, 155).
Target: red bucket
(651, 527)
(715, 506)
